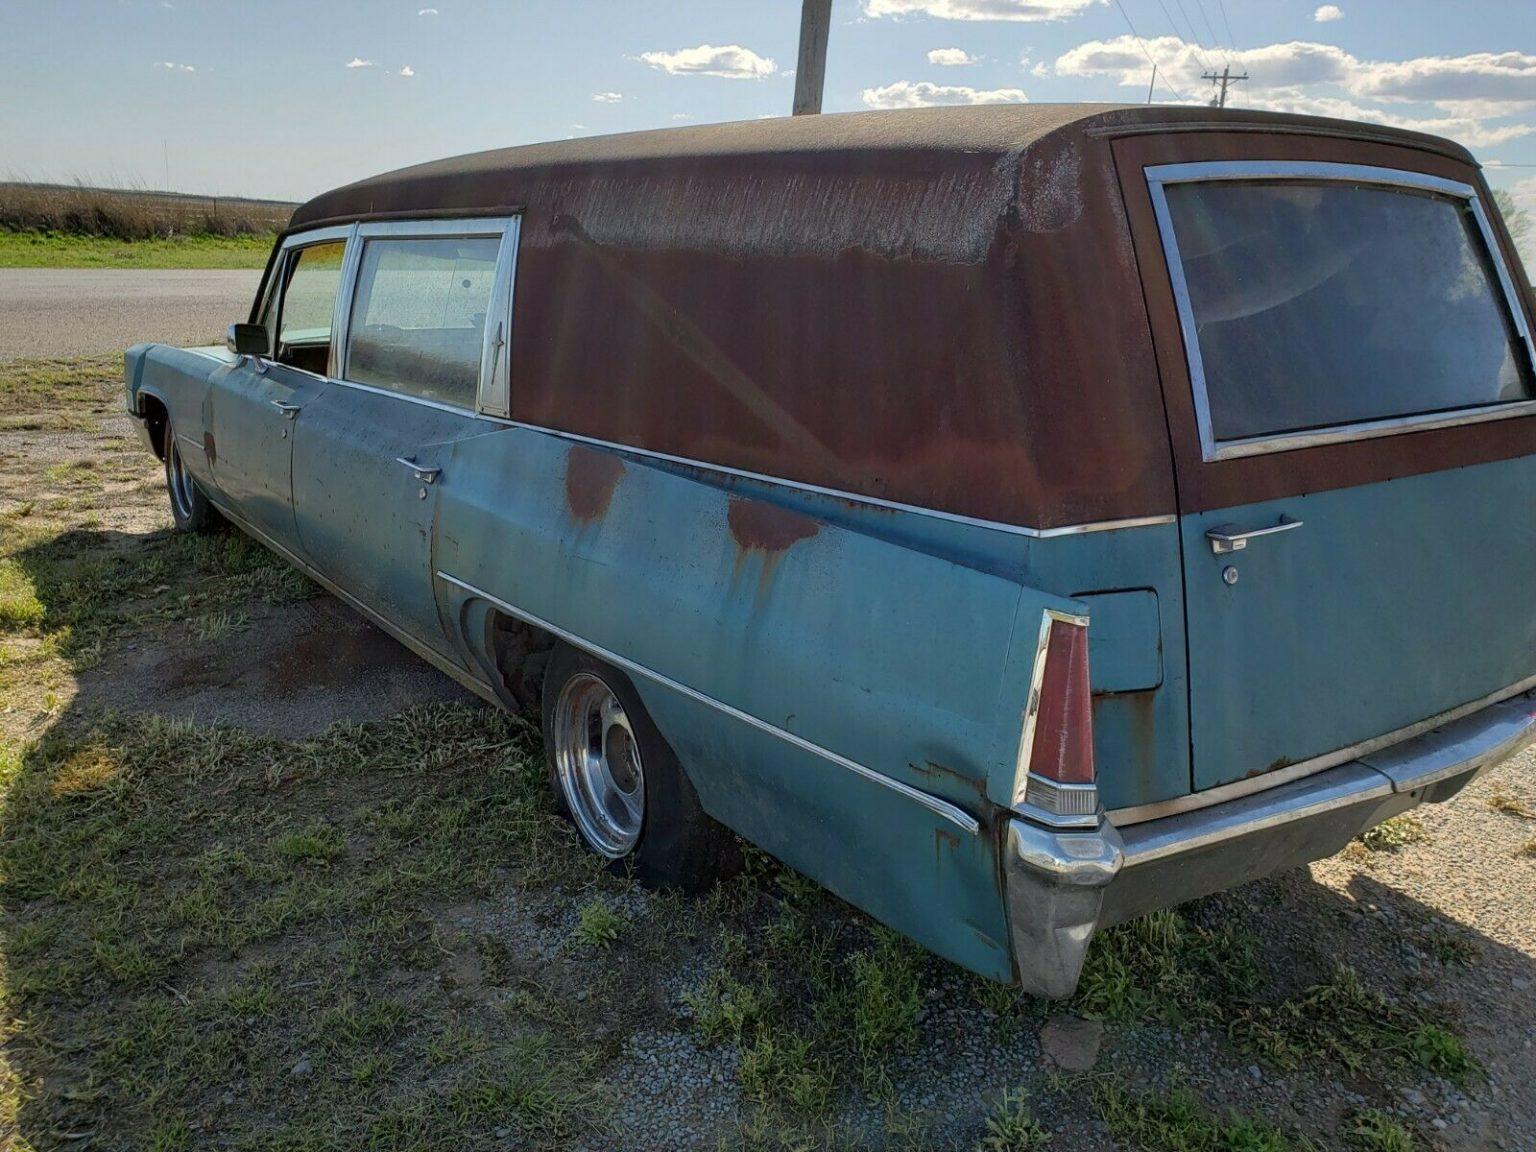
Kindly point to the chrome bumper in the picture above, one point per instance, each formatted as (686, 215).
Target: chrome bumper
(1062, 886)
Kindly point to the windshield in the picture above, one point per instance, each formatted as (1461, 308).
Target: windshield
(1320, 303)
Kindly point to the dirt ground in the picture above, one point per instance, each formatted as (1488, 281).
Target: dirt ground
(269, 881)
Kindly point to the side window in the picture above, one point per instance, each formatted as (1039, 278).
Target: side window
(308, 301)
(418, 315)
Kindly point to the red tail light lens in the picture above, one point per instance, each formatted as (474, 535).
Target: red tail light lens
(1055, 775)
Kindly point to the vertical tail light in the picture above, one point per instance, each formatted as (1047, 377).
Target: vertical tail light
(1054, 779)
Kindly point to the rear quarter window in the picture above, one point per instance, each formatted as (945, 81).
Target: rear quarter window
(1324, 304)
(418, 315)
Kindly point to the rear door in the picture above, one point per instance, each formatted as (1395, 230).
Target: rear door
(421, 354)
(1347, 370)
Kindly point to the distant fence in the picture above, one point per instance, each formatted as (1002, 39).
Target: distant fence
(127, 214)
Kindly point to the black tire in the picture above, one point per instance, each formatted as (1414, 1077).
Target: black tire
(190, 509)
(678, 845)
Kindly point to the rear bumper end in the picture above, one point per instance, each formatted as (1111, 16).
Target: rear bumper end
(1062, 886)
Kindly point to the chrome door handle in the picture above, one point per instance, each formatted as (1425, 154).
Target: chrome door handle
(289, 411)
(1229, 538)
(425, 475)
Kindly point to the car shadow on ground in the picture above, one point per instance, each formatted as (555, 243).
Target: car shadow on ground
(271, 880)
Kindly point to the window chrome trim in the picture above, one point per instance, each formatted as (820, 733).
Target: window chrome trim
(494, 388)
(275, 284)
(951, 812)
(1160, 176)
(855, 497)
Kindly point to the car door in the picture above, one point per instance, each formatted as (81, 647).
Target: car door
(254, 411)
(1348, 376)
(424, 333)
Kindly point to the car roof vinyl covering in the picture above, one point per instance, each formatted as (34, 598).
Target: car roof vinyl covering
(481, 181)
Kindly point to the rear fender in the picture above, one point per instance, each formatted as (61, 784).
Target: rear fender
(849, 704)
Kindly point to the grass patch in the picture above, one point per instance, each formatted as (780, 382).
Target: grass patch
(1345, 1022)
(1012, 1127)
(816, 1006)
(62, 250)
(1167, 968)
(30, 389)
(597, 925)
(1374, 1131)
(1176, 1122)
(1395, 834)
(181, 919)
(1527, 851)
(1511, 805)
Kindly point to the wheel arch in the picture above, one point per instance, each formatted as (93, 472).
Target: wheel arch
(157, 418)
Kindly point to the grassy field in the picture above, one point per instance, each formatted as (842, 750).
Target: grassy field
(59, 250)
(378, 935)
(68, 226)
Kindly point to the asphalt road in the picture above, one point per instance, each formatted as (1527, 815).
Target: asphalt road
(86, 311)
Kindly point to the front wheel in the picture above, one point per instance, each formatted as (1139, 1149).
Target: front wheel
(190, 509)
(619, 782)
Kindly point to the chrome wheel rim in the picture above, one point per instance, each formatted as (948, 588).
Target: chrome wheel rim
(180, 479)
(597, 760)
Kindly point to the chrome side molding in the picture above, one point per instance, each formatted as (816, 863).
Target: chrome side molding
(951, 812)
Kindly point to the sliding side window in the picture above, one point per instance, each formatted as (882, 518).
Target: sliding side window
(419, 316)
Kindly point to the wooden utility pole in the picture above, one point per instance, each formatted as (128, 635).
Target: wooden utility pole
(1223, 78)
(811, 71)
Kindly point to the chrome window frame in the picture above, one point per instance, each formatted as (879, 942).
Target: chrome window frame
(1231, 171)
(278, 281)
(493, 388)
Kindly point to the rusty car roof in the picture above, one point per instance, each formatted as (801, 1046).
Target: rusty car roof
(479, 181)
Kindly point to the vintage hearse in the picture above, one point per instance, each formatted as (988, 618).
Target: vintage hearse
(1016, 518)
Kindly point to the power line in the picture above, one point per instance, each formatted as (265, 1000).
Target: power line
(1199, 44)
(1172, 23)
(1227, 24)
(1144, 50)
(1205, 16)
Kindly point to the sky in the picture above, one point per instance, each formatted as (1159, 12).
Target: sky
(285, 98)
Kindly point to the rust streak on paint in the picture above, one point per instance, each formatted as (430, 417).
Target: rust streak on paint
(210, 450)
(943, 838)
(934, 771)
(759, 526)
(590, 479)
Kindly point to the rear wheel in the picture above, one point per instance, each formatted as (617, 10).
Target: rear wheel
(619, 782)
(189, 507)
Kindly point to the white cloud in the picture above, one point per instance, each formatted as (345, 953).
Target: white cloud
(407, 71)
(172, 66)
(359, 62)
(1470, 132)
(681, 116)
(922, 94)
(1496, 76)
(1327, 12)
(951, 57)
(1498, 82)
(426, 12)
(607, 97)
(1030, 11)
(731, 61)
